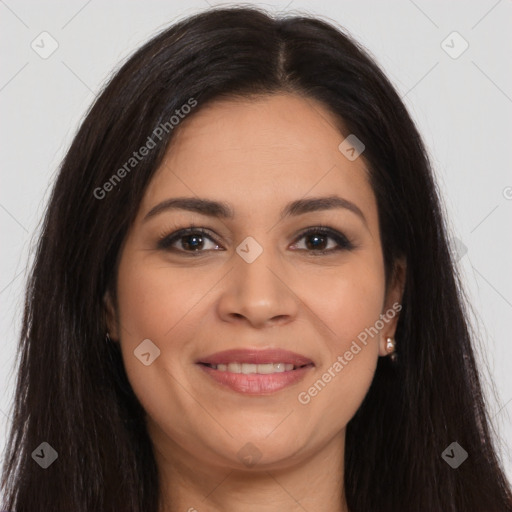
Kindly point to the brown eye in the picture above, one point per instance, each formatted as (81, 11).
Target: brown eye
(191, 240)
(322, 240)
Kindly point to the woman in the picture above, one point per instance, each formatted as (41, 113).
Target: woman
(243, 296)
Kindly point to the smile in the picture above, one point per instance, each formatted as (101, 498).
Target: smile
(256, 383)
(261, 369)
(255, 372)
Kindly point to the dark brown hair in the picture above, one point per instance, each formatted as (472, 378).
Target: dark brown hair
(72, 390)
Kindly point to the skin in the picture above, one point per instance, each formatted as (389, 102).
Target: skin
(257, 155)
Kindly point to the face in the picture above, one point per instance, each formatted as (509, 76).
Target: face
(299, 287)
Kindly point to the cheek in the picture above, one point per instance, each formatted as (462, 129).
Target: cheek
(350, 306)
(160, 304)
(349, 300)
(155, 301)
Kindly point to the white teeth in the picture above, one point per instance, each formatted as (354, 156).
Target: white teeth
(234, 368)
(242, 368)
(248, 368)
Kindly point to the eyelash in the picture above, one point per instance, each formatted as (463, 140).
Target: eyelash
(166, 240)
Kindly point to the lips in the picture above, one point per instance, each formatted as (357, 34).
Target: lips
(255, 372)
(249, 356)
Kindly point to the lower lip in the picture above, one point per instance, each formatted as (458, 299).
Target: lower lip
(256, 383)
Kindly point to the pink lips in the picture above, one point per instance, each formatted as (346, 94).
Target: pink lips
(254, 383)
(256, 357)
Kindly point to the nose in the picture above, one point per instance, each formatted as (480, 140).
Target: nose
(258, 293)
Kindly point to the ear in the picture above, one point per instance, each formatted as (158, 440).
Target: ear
(392, 304)
(110, 315)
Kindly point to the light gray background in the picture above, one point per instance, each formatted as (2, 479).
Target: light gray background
(462, 106)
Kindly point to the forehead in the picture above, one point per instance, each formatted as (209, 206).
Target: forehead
(264, 151)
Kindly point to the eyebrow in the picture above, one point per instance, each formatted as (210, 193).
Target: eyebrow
(222, 210)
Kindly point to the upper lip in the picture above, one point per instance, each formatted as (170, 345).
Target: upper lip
(256, 356)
